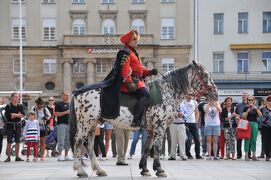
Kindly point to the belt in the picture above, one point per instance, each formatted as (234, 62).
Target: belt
(179, 123)
(14, 124)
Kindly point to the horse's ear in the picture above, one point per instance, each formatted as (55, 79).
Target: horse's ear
(195, 63)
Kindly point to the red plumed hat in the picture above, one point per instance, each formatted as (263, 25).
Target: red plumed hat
(126, 38)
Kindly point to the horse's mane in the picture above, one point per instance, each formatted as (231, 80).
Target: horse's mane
(178, 79)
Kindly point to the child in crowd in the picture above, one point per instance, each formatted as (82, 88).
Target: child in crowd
(31, 135)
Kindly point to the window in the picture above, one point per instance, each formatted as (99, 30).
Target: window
(108, 27)
(113, 63)
(78, 1)
(79, 66)
(167, 64)
(218, 58)
(50, 85)
(139, 25)
(266, 58)
(15, 29)
(167, 29)
(218, 23)
(16, 66)
(242, 62)
(138, 1)
(101, 66)
(107, 1)
(243, 22)
(49, 29)
(17, 1)
(49, 66)
(48, 1)
(267, 22)
(167, 1)
(79, 27)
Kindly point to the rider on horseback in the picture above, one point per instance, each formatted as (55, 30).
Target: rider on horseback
(133, 74)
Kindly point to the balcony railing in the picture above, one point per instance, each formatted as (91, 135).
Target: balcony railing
(102, 40)
(251, 75)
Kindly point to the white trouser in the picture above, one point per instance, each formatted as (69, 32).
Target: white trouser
(178, 136)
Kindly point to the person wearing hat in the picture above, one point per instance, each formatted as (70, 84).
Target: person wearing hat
(133, 74)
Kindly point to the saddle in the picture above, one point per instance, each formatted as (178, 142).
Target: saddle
(130, 101)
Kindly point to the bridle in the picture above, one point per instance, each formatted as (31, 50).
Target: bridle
(199, 85)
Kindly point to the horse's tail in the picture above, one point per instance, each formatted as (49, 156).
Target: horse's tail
(73, 123)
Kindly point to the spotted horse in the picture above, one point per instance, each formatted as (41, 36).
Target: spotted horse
(85, 114)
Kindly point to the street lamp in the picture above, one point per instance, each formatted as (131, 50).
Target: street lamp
(196, 30)
(21, 53)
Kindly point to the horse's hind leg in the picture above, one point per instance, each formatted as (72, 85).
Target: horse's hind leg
(77, 163)
(147, 148)
(92, 157)
(157, 144)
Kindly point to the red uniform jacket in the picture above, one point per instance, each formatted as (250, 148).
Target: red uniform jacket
(132, 64)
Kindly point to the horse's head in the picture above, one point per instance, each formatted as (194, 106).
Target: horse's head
(202, 83)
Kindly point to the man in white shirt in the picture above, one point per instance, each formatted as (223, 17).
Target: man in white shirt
(189, 111)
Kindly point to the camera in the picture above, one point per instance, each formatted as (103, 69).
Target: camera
(44, 118)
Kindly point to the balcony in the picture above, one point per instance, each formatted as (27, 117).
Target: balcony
(251, 75)
(79, 40)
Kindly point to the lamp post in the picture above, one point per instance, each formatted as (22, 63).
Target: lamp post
(21, 52)
(196, 30)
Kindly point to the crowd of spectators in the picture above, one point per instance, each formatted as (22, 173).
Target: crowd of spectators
(209, 124)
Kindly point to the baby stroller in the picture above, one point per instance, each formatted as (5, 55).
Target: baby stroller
(51, 142)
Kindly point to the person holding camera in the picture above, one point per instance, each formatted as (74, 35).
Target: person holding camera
(251, 113)
(212, 126)
(228, 119)
(43, 116)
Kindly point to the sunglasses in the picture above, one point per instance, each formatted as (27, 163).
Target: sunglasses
(51, 100)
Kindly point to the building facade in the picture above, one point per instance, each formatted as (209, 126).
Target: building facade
(70, 43)
(235, 45)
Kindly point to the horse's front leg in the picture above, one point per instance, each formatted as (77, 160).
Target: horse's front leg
(77, 163)
(144, 158)
(157, 145)
(94, 163)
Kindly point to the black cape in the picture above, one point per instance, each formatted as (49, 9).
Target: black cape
(110, 88)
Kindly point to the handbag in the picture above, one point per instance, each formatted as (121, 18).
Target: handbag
(243, 124)
(243, 130)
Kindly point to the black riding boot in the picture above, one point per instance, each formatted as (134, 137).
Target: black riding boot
(138, 111)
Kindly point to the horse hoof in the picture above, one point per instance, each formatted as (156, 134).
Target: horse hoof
(145, 173)
(82, 175)
(101, 173)
(161, 174)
